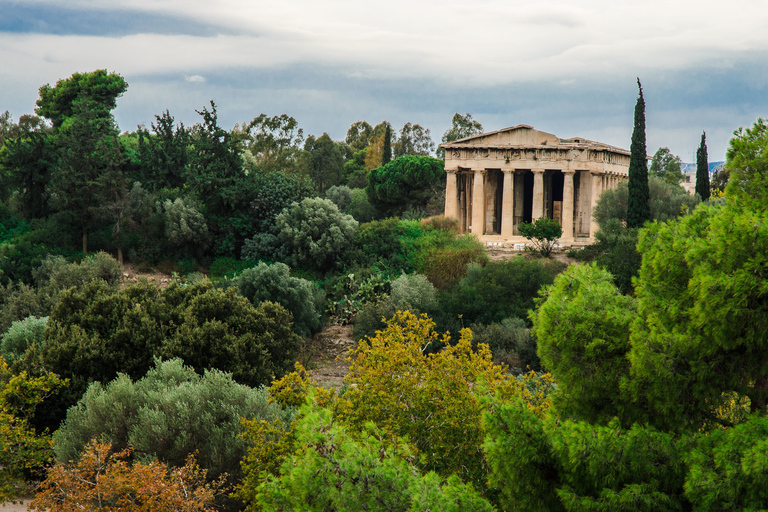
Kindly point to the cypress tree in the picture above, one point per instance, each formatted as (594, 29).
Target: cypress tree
(702, 169)
(386, 154)
(638, 208)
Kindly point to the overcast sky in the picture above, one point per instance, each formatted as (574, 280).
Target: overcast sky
(561, 66)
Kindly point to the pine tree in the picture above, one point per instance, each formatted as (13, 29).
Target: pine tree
(386, 156)
(638, 208)
(702, 169)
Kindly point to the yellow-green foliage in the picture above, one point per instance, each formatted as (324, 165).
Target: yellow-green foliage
(22, 452)
(432, 399)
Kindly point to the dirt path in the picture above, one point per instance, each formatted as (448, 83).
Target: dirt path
(328, 351)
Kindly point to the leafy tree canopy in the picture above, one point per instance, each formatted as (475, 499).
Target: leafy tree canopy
(99, 88)
(408, 181)
(667, 166)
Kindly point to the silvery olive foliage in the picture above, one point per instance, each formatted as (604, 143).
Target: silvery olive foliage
(314, 233)
(184, 224)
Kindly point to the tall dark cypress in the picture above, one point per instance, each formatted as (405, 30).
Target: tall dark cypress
(638, 209)
(702, 169)
(386, 153)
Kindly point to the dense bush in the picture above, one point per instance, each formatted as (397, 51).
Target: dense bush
(543, 233)
(617, 252)
(274, 283)
(21, 335)
(95, 333)
(501, 289)
(185, 227)
(334, 468)
(359, 207)
(314, 233)
(667, 201)
(341, 195)
(408, 181)
(582, 328)
(510, 342)
(152, 416)
(51, 276)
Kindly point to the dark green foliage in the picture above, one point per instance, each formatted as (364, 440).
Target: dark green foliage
(27, 161)
(520, 460)
(170, 413)
(228, 267)
(274, 142)
(702, 169)
(728, 468)
(216, 178)
(510, 342)
(615, 245)
(89, 175)
(638, 210)
(582, 330)
(47, 279)
(162, 154)
(612, 469)
(99, 88)
(408, 181)
(570, 466)
(543, 232)
(618, 254)
(499, 290)
(386, 153)
(334, 469)
(274, 283)
(359, 207)
(314, 233)
(95, 332)
(325, 162)
(703, 314)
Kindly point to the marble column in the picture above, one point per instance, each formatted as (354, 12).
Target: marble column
(538, 194)
(596, 191)
(451, 195)
(507, 203)
(478, 202)
(568, 206)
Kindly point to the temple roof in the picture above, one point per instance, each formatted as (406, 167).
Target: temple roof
(525, 136)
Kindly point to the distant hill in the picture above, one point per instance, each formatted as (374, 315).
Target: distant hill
(691, 168)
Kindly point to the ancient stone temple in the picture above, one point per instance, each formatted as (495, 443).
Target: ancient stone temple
(499, 179)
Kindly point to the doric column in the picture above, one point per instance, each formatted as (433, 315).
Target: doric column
(568, 206)
(538, 194)
(596, 191)
(451, 195)
(478, 202)
(507, 202)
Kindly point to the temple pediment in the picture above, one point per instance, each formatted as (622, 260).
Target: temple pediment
(525, 136)
(520, 135)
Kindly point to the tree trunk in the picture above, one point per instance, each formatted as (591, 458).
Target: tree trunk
(120, 254)
(85, 242)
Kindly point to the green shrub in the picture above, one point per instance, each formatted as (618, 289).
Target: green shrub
(21, 335)
(446, 266)
(341, 195)
(170, 413)
(510, 342)
(274, 283)
(501, 289)
(94, 333)
(359, 207)
(413, 292)
(338, 469)
(314, 233)
(618, 254)
(408, 181)
(228, 267)
(542, 232)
